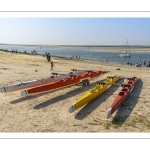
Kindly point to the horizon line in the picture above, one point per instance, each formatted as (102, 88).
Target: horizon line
(67, 45)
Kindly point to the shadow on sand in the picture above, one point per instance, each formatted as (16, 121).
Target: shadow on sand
(64, 96)
(91, 106)
(22, 99)
(56, 99)
(127, 107)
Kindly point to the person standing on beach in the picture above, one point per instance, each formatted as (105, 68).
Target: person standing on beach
(76, 56)
(46, 54)
(52, 65)
(48, 57)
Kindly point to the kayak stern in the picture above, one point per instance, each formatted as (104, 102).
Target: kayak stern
(109, 113)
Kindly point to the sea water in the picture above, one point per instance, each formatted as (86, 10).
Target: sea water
(85, 53)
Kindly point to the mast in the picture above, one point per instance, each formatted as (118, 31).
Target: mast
(127, 45)
(128, 48)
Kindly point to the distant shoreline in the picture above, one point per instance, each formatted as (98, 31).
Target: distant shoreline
(89, 47)
(98, 48)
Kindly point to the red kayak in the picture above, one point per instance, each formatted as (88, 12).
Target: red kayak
(73, 79)
(122, 96)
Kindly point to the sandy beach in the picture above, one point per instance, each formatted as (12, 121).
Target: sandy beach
(48, 112)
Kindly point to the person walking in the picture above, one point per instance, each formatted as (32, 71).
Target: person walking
(52, 65)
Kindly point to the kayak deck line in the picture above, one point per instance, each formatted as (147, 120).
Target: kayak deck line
(122, 96)
(84, 78)
(47, 80)
(100, 88)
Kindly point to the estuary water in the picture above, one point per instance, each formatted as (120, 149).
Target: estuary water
(99, 55)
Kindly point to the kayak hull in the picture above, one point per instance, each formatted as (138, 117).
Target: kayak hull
(34, 83)
(122, 96)
(63, 83)
(92, 94)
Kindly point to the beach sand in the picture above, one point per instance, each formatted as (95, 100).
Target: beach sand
(48, 112)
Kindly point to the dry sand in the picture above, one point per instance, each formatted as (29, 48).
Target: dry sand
(48, 112)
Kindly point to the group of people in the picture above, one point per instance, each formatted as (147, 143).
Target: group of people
(48, 57)
(76, 56)
(139, 64)
(14, 51)
(34, 52)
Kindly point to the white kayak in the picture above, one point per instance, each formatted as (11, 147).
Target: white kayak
(34, 83)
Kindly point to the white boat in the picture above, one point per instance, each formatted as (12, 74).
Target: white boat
(126, 53)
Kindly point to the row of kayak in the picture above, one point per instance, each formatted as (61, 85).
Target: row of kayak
(54, 82)
(73, 79)
(59, 81)
(37, 83)
(101, 88)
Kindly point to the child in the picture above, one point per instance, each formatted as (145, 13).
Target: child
(52, 65)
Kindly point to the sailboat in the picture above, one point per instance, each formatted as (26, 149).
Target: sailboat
(126, 53)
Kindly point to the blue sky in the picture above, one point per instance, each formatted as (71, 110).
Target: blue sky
(75, 31)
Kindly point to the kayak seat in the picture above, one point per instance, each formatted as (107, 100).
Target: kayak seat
(126, 85)
(62, 81)
(95, 72)
(109, 80)
(122, 93)
(125, 90)
(81, 76)
(87, 74)
(70, 78)
(131, 82)
(94, 90)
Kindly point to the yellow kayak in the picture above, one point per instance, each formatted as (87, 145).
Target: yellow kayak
(95, 92)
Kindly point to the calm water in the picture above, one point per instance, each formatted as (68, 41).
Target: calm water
(86, 54)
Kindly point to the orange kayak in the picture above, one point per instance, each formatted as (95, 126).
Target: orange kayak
(73, 79)
(30, 84)
(122, 96)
